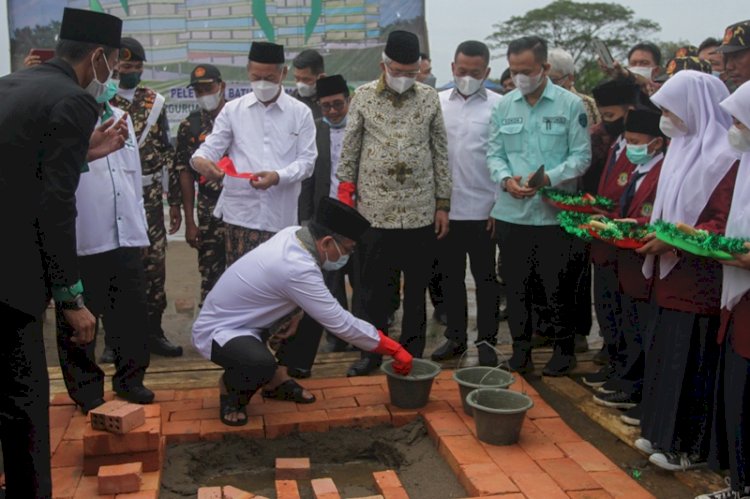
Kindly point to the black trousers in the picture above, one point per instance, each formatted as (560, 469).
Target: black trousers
(113, 289)
(609, 310)
(636, 316)
(24, 406)
(383, 252)
(248, 365)
(536, 270)
(582, 265)
(470, 237)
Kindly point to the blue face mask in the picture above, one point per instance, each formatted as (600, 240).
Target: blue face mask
(340, 124)
(638, 154)
(336, 264)
(108, 93)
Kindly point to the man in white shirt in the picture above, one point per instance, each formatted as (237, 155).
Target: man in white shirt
(466, 112)
(257, 299)
(266, 133)
(111, 230)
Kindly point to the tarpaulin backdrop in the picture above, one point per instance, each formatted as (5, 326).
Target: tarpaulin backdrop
(178, 34)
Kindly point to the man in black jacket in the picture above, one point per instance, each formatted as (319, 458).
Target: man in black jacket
(47, 116)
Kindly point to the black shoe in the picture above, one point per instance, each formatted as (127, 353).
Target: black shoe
(632, 416)
(440, 315)
(618, 400)
(612, 385)
(541, 341)
(600, 377)
(90, 406)
(299, 373)
(560, 364)
(521, 362)
(448, 350)
(108, 356)
(487, 356)
(602, 357)
(363, 367)
(582, 344)
(160, 345)
(136, 394)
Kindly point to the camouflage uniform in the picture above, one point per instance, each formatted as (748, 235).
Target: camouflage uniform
(156, 152)
(211, 253)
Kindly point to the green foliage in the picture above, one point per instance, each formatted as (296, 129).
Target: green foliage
(577, 199)
(24, 39)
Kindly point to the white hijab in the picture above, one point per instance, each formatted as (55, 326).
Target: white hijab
(737, 281)
(696, 163)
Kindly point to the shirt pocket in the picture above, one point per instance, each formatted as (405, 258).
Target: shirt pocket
(553, 137)
(512, 137)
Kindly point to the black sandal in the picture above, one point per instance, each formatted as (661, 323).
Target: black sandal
(226, 408)
(290, 391)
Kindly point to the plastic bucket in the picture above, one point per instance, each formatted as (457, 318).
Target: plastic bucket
(471, 378)
(413, 390)
(498, 414)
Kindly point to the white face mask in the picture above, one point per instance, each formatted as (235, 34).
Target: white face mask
(467, 85)
(399, 84)
(305, 90)
(739, 139)
(210, 102)
(336, 264)
(97, 88)
(527, 84)
(644, 71)
(265, 90)
(672, 129)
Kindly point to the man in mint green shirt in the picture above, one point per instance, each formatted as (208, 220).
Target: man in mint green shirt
(537, 124)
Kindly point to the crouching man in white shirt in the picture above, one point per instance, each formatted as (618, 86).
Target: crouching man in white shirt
(260, 299)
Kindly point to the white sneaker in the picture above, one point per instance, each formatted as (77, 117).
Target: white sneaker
(726, 493)
(644, 445)
(676, 461)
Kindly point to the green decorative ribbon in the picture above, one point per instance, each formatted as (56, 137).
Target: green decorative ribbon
(96, 6)
(261, 15)
(575, 223)
(709, 241)
(577, 199)
(315, 12)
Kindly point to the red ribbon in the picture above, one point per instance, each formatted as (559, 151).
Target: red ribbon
(227, 166)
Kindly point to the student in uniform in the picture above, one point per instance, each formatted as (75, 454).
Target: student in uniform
(695, 188)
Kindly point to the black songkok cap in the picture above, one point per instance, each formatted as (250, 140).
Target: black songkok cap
(266, 52)
(644, 121)
(615, 92)
(91, 27)
(204, 73)
(331, 85)
(340, 218)
(131, 50)
(402, 47)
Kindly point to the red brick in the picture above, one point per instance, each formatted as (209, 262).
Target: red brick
(370, 497)
(272, 407)
(462, 450)
(194, 414)
(292, 468)
(336, 403)
(557, 430)
(324, 488)
(98, 416)
(151, 480)
(209, 493)
(61, 399)
(521, 385)
(321, 383)
(363, 417)
(445, 374)
(55, 437)
(381, 398)
(68, 453)
(435, 406)
(620, 484)
(401, 417)
(541, 409)
(88, 487)
(351, 391)
(169, 408)
(177, 432)
(141, 439)
(59, 415)
(143, 494)
(196, 394)
(511, 459)
(587, 456)
(394, 493)
(538, 485)
(387, 479)
(163, 396)
(485, 479)
(537, 445)
(589, 494)
(122, 419)
(65, 481)
(152, 410)
(568, 474)
(76, 428)
(286, 423)
(287, 489)
(235, 493)
(214, 429)
(445, 423)
(367, 380)
(152, 460)
(446, 395)
(120, 478)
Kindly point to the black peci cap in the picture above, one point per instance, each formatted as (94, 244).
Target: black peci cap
(204, 73)
(131, 50)
(331, 85)
(615, 92)
(91, 27)
(266, 52)
(402, 47)
(341, 219)
(644, 121)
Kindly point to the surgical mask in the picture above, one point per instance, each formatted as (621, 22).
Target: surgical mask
(336, 264)
(96, 88)
(670, 128)
(109, 92)
(614, 128)
(739, 139)
(467, 85)
(716, 73)
(527, 84)
(340, 124)
(644, 71)
(399, 84)
(638, 153)
(305, 90)
(265, 90)
(210, 102)
(130, 80)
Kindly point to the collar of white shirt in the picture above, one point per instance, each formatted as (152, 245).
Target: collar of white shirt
(281, 102)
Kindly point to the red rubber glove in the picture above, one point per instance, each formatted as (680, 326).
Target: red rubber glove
(402, 360)
(346, 193)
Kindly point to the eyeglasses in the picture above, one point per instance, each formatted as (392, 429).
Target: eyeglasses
(338, 105)
(408, 74)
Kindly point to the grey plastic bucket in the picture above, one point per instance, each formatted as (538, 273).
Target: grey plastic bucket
(471, 378)
(498, 414)
(413, 390)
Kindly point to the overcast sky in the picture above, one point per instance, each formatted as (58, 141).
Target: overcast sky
(450, 22)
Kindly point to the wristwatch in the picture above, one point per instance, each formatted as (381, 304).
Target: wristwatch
(76, 303)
